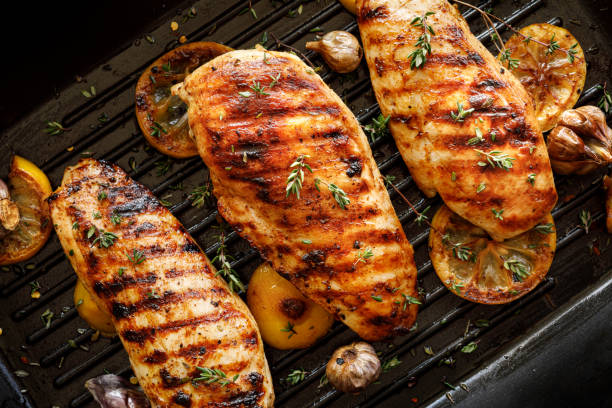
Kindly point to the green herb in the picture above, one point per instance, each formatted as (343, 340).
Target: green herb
(167, 67)
(377, 298)
(506, 56)
(296, 376)
(605, 102)
(452, 387)
(428, 350)
(289, 328)
(200, 195)
(296, 177)
(389, 364)
(496, 158)
(482, 323)
(263, 41)
(163, 166)
(461, 113)
(421, 217)
(531, 178)
(152, 295)
(389, 179)
(481, 187)
(460, 251)
(225, 269)
(258, 88)
(79, 303)
(453, 176)
(104, 239)
(469, 348)
(97, 215)
(493, 135)
(585, 220)
(418, 57)
(46, 318)
(156, 129)
(274, 80)
(553, 46)
(545, 228)
(409, 300)
(378, 127)
(364, 256)
(89, 93)
(518, 268)
(323, 381)
(115, 218)
(498, 213)
(306, 241)
(137, 257)
(71, 252)
(245, 94)
(75, 226)
(213, 375)
(55, 128)
(339, 195)
(571, 53)
(91, 231)
(120, 271)
(477, 139)
(456, 286)
(102, 195)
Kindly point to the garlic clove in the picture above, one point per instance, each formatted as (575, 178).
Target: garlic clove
(340, 50)
(589, 122)
(9, 213)
(352, 368)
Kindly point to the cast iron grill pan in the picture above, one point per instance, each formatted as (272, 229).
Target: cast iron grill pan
(105, 127)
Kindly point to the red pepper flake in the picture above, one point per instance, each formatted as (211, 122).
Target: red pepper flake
(414, 400)
(596, 250)
(24, 360)
(569, 198)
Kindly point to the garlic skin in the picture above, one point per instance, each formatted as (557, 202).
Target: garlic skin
(9, 213)
(581, 142)
(340, 50)
(352, 368)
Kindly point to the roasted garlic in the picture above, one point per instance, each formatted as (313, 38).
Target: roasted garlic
(581, 142)
(9, 213)
(340, 50)
(353, 367)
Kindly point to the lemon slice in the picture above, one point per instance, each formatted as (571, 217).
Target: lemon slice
(350, 5)
(29, 187)
(162, 116)
(91, 313)
(553, 78)
(482, 270)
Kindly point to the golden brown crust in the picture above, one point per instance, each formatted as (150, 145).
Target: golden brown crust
(249, 143)
(169, 322)
(434, 145)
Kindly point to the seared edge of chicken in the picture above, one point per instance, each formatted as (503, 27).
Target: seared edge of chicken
(171, 311)
(441, 152)
(254, 113)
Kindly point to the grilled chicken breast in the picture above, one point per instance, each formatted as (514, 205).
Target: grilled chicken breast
(254, 114)
(446, 155)
(172, 313)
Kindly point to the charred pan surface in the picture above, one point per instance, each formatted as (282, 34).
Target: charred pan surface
(435, 146)
(172, 313)
(272, 103)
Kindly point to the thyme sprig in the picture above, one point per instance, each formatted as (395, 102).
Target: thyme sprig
(296, 376)
(104, 239)
(296, 177)
(460, 250)
(137, 257)
(378, 127)
(336, 192)
(496, 158)
(461, 113)
(518, 268)
(213, 375)
(200, 195)
(289, 328)
(55, 128)
(552, 46)
(225, 269)
(585, 220)
(410, 300)
(418, 57)
(605, 102)
(363, 256)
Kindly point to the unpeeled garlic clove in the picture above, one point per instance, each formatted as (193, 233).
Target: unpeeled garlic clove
(9, 213)
(353, 367)
(340, 50)
(581, 142)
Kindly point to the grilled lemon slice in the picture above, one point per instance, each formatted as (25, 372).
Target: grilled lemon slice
(479, 269)
(29, 187)
(162, 116)
(554, 76)
(350, 5)
(90, 312)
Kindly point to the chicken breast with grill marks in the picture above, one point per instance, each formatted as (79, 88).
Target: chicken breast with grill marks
(489, 165)
(171, 311)
(254, 113)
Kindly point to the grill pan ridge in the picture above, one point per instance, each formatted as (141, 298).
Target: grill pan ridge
(57, 370)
